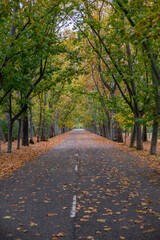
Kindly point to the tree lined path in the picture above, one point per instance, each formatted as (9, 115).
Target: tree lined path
(81, 190)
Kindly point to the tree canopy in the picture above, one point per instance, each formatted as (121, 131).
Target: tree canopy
(90, 64)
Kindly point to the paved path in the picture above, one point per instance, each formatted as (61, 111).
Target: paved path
(80, 190)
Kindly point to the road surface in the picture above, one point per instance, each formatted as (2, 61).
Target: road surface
(81, 190)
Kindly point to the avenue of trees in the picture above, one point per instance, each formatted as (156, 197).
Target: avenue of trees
(92, 64)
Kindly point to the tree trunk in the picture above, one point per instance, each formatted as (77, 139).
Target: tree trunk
(56, 127)
(100, 130)
(43, 134)
(19, 134)
(31, 127)
(125, 136)
(114, 131)
(144, 134)
(119, 135)
(104, 130)
(0, 138)
(10, 127)
(63, 129)
(40, 122)
(51, 131)
(154, 137)
(139, 145)
(10, 130)
(25, 141)
(133, 136)
(51, 127)
(107, 131)
(156, 115)
(109, 128)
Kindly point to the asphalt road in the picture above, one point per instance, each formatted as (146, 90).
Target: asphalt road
(81, 190)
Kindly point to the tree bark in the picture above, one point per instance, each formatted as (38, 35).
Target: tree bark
(0, 138)
(10, 127)
(133, 136)
(40, 120)
(25, 141)
(125, 136)
(51, 131)
(100, 130)
(31, 127)
(10, 130)
(19, 134)
(139, 145)
(156, 116)
(56, 127)
(109, 128)
(63, 129)
(104, 130)
(144, 134)
(51, 127)
(154, 138)
(114, 131)
(119, 135)
(43, 134)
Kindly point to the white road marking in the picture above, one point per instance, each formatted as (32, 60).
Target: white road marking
(76, 168)
(73, 209)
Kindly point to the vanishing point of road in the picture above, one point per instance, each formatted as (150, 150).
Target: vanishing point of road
(81, 190)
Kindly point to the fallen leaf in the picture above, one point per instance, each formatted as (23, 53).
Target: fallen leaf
(107, 229)
(59, 235)
(32, 224)
(83, 220)
(101, 220)
(7, 217)
(9, 235)
(77, 225)
(22, 230)
(149, 230)
(51, 214)
(140, 211)
(124, 227)
(144, 203)
(37, 234)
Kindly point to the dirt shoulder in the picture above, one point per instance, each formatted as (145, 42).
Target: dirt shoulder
(9, 162)
(151, 160)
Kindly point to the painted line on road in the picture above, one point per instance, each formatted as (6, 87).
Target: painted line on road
(73, 209)
(76, 168)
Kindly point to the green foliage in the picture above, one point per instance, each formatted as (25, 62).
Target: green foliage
(97, 66)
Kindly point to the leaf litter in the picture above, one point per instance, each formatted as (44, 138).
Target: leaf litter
(9, 162)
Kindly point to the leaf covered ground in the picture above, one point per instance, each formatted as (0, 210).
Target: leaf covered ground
(151, 160)
(12, 161)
